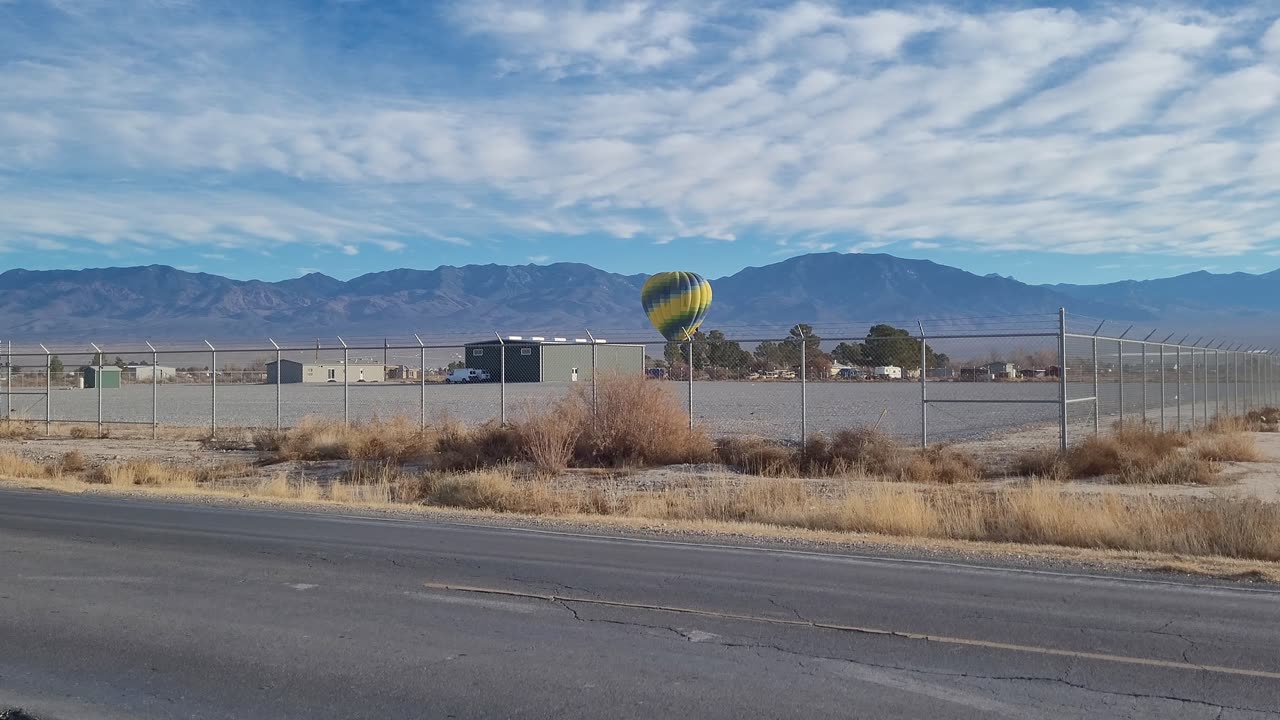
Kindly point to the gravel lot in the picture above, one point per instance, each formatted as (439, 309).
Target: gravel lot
(771, 409)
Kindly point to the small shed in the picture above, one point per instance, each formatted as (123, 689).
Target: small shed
(150, 373)
(110, 377)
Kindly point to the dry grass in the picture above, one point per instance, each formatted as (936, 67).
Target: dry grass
(851, 453)
(1233, 446)
(279, 485)
(143, 472)
(1037, 514)
(18, 430)
(18, 467)
(1139, 454)
(394, 440)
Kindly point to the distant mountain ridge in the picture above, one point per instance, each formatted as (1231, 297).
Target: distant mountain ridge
(161, 302)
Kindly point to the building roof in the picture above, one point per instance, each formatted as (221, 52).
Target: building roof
(539, 340)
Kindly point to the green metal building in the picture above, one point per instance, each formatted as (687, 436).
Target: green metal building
(539, 360)
(110, 377)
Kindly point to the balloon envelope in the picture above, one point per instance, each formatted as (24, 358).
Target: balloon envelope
(676, 302)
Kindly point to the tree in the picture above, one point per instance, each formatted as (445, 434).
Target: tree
(713, 353)
(55, 365)
(817, 363)
(888, 345)
(119, 363)
(855, 354)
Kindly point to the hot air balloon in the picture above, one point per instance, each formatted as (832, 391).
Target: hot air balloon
(676, 302)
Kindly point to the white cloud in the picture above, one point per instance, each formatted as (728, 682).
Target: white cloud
(566, 38)
(1081, 131)
(1270, 41)
(539, 259)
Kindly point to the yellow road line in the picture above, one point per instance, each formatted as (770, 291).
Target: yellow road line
(943, 639)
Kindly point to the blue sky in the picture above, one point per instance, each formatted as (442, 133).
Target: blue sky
(1074, 143)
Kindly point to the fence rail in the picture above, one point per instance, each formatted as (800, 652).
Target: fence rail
(1052, 376)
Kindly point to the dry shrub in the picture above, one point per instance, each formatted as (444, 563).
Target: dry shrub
(857, 448)
(1266, 419)
(17, 466)
(949, 465)
(222, 471)
(280, 486)
(851, 453)
(142, 471)
(637, 422)
(1226, 447)
(498, 491)
(1176, 469)
(80, 432)
(462, 448)
(1138, 453)
(1045, 463)
(17, 430)
(758, 456)
(548, 437)
(68, 463)
(395, 440)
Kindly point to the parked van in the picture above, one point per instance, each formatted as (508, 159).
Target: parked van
(467, 375)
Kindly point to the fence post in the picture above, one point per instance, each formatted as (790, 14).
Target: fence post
(1097, 399)
(97, 384)
(502, 381)
(924, 392)
(1204, 378)
(422, 383)
(1061, 378)
(1144, 380)
(1217, 382)
(155, 390)
(1177, 376)
(213, 389)
(1192, 352)
(1162, 398)
(592, 338)
(279, 368)
(8, 383)
(1235, 380)
(689, 339)
(804, 391)
(48, 390)
(1120, 375)
(346, 387)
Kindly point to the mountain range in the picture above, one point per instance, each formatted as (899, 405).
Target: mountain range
(834, 290)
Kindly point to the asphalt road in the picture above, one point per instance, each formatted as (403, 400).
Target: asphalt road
(127, 609)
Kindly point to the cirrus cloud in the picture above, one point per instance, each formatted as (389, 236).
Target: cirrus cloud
(1071, 130)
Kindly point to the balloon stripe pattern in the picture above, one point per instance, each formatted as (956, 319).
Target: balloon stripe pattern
(676, 302)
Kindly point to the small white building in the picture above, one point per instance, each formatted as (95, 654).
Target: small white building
(150, 373)
(292, 371)
(887, 372)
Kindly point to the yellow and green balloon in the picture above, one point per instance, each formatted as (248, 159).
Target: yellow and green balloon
(676, 302)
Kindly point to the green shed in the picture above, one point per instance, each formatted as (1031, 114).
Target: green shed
(110, 377)
(540, 360)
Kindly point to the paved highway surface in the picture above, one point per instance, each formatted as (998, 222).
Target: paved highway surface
(115, 608)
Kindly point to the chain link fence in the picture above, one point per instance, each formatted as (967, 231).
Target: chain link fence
(1042, 378)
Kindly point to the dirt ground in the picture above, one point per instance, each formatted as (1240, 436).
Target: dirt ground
(1259, 480)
